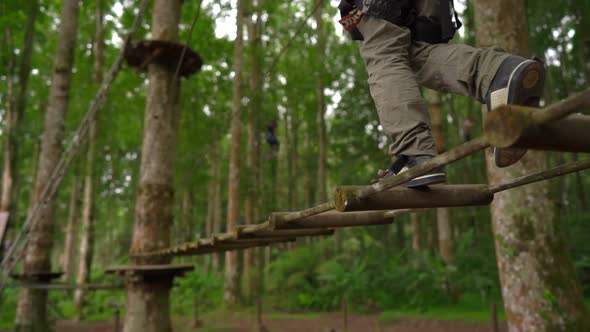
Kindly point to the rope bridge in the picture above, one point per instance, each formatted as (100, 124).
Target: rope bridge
(553, 128)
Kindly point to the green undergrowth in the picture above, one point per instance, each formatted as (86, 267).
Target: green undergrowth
(448, 313)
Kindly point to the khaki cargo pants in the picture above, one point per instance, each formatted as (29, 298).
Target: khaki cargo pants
(397, 67)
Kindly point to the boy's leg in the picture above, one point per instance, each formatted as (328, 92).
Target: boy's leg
(386, 51)
(455, 68)
(489, 75)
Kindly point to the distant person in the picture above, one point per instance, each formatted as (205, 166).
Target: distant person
(271, 137)
(404, 46)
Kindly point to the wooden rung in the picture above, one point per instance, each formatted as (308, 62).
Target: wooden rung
(333, 219)
(255, 241)
(294, 233)
(151, 270)
(514, 127)
(518, 127)
(405, 198)
(218, 248)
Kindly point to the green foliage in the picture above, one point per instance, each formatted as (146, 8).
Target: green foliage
(8, 307)
(206, 289)
(306, 278)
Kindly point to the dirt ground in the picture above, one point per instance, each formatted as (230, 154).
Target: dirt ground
(323, 323)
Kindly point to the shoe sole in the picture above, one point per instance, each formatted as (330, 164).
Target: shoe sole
(426, 180)
(525, 92)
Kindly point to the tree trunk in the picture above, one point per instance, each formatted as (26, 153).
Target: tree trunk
(217, 209)
(292, 125)
(250, 205)
(187, 231)
(322, 135)
(86, 248)
(72, 229)
(7, 173)
(148, 303)
(232, 278)
(32, 306)
(417, 241)
(400, 236)
(432, 233)
(309, 174)
(211, 188)
(445, 229)
(87, 239)
(15, 114)
(539, 285)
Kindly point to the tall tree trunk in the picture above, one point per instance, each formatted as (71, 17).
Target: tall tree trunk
(72, 229)
(321, 116)
(250, 205)
(187, 230)
(15, 114)
(539, 285)
(232, 278)
(86, 248)
(87, 239)
(217, 208)
(211, 187)
(417, 241)
(293, 155)
(309, 174)
(148, 303)
(445, 230)
(7, 175)
(32, 306)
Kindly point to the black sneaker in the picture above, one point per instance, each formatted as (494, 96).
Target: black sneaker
(403, 163)
(519, 81)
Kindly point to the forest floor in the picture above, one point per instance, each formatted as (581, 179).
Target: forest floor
(329, 322)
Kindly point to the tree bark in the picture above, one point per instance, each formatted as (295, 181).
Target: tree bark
(211, 188)
(15, 114)
(87, 239)
(7, 175)
(187, 231)
(217, 208)
(539, 285)
(252, 200)
(32, 306)
(321, 115)
(148, 303)
(72, 229)
(417, 241)
(292, 141)
(86, 248)
(443, 221)
(232, 278)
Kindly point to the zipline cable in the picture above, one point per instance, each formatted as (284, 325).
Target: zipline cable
(17, 249)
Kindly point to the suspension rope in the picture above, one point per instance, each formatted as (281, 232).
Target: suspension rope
(17, 249)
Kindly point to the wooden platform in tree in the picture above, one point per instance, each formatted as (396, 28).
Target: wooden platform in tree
(164, 53)
(151, 270)
(65, 287)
